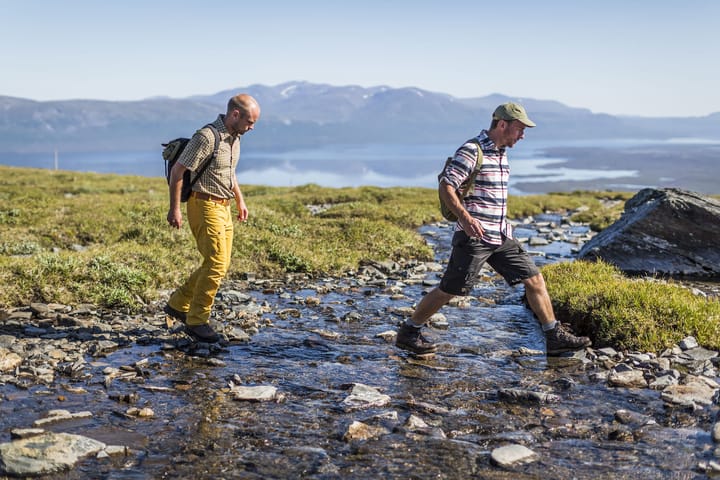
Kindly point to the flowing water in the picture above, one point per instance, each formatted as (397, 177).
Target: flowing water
(313, 353)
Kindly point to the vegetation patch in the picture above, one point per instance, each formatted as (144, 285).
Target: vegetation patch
(81, 237)
(630, 313)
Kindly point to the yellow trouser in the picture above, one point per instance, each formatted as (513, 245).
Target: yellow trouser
(212, 226)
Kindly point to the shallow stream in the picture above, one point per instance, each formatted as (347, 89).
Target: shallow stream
(313, 352)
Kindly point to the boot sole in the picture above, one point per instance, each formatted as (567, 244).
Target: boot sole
(565, 350)
(416, 352)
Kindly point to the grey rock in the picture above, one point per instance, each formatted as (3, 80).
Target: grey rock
(262, 393)
(510, 455)
(364, 396)
(691, 393)
(688, 343)
(665, 231)
(716, 432)
(9, 361)
(514, 394)
(627, 379)
(46, 453)
(361, 431)
(699, 354)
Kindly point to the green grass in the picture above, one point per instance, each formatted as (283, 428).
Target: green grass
(86, 238)
(630, 313)
(103, 239)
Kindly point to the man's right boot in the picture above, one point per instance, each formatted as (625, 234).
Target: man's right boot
(559, 340)
(409, 338)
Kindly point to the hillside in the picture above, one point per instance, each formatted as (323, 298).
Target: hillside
(301, 114)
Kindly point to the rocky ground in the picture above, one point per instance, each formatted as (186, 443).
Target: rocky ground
(95, 393)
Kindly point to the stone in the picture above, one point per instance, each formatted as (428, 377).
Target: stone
(262, 393)
(439, 321)
(688, 343)
(364, 396)
(716, 432)
(515, 394)
(627, 379)
(17, 433)
(388, 335)
(362, 431)
(689, 394)
(510, 455)
(698, 354)
(9, 361)
(46, 453)
(667, 232)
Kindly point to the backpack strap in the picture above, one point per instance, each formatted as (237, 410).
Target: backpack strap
(476, 170)
(204, 166)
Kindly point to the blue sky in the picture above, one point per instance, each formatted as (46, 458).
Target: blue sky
(641, 57)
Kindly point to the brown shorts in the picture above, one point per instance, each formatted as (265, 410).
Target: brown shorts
(470, 254)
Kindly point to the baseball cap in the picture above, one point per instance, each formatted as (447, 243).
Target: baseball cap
(512, 111)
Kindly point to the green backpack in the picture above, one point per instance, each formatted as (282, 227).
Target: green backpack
(465, 187)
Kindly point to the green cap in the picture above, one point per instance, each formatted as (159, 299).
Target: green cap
(512, 111)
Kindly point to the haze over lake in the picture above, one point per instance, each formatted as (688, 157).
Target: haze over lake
(619, 164)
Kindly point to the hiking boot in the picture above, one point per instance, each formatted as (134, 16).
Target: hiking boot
(559, 340)
(409, 338)
(202, 333)
(176, 314)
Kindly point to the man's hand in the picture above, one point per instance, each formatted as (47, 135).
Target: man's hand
(471, 226)
(242, 211)
(174, 218)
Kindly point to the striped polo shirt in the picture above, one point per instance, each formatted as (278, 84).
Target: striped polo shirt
(217, 179)
(487, 200)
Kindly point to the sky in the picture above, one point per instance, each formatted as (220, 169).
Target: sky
(622, 57)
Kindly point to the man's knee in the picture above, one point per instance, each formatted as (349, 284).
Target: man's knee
(536, 283)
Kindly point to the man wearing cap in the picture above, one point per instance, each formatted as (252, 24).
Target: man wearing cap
(482, 234)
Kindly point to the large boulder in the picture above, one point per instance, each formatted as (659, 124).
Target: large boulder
(666, 232)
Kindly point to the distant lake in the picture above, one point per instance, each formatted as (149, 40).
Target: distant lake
(357, 165)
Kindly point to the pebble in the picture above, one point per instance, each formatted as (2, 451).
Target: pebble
(52, 341)
(510, 455)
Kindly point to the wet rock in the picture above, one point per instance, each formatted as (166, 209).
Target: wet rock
(237, 335)
(512, 394)
(363, 396)
(145, 412)
(17, 433)
(9, 361)
(652, 236)
(46, 453)
(510, 455)
(716, 432)
(538, 241)
(362, 431)
(694, 392)
(627, 417)
(55, 416)
(352, 317)
(627, 378)
(663, 381)
(388, 335)
(439, 321)
(622, 434)
(262, 393)
(711, 466)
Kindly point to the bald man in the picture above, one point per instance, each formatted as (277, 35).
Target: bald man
(209, 211)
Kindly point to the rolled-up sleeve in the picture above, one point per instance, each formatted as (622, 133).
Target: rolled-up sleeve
(461, 166)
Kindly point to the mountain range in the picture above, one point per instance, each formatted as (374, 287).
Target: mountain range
(301, 114)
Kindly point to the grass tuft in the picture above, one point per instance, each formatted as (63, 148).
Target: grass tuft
(630, 313)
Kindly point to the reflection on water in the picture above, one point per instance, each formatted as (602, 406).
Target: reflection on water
(335, 166)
